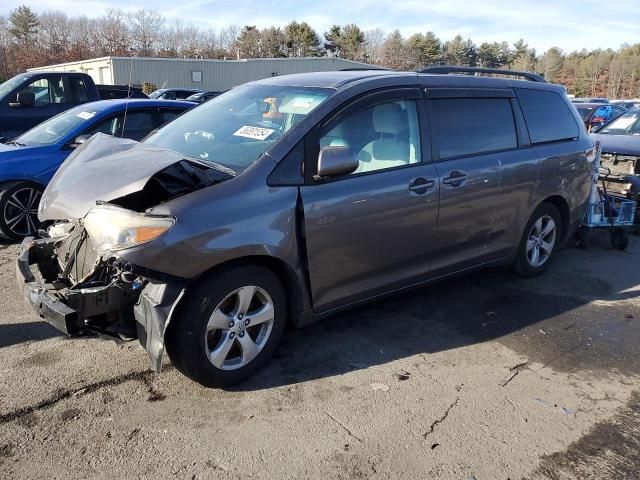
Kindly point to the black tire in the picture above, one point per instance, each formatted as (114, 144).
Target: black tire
(186, 338)
(583, 238)
(15, 224)
(619, 238)
(522, 265)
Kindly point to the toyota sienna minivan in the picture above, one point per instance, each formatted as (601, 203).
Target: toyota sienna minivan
(288, 199)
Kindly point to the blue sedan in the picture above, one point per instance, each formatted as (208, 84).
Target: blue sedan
(28, 162)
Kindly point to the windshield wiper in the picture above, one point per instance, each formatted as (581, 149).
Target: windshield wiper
(15, 142)
(214, 165)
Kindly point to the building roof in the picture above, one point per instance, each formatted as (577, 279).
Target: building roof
(208, 60)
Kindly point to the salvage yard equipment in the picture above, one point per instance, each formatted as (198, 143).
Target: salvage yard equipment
(615, 212)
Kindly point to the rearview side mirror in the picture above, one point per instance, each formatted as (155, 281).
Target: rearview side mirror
(24, 99)
(79, 140)
(336, 160)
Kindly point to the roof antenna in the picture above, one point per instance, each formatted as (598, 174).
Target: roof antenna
(126, 105)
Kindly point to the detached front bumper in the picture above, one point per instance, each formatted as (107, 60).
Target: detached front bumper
(142, 308)
(46, 305)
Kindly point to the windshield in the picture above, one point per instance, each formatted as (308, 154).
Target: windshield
(156, 94)
(12, 83)
(235, 128)
(58, 127)
(627, 124)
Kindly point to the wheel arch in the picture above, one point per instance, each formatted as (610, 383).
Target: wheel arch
(33, 181)
(290, 281)
(562, 205)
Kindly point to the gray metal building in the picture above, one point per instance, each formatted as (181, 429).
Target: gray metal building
(215, 75)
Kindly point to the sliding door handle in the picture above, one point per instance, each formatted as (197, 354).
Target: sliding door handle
(421, 185)
(455, 178)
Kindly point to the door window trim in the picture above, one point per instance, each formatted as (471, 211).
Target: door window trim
(357, 104)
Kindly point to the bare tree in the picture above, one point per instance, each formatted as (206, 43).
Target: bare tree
(146, 29)
(55, 35)
(228, 39)
(113, 34)
(374, 42)
(5, 49)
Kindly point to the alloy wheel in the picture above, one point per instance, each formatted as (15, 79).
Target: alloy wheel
(541, 241)
(21, 211)
(239, 328)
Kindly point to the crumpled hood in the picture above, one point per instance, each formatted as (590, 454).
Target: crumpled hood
(102, 169)
(622, 144)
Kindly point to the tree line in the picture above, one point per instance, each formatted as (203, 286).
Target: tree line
(29, 40)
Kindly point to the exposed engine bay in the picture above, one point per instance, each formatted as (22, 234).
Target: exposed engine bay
(102, 290)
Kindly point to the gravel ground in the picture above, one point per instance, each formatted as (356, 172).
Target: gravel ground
(487, 376)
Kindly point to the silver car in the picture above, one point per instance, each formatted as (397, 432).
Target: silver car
(288, 199)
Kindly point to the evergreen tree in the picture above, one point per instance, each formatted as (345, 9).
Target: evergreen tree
(23, 24)
(425, 50)
(301, 40)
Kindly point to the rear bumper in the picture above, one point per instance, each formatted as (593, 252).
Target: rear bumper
(106, 310)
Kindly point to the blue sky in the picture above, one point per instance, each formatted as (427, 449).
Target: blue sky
(569, 24)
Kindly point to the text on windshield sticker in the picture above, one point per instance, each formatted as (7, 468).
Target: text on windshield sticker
(256, 133)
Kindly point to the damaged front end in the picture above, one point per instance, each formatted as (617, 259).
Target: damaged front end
(80, 292)
(77, 278)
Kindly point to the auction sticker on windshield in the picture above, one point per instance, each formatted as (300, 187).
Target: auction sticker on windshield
(256, 133)
(85, 115)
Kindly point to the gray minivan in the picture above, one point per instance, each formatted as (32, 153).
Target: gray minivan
(291, 198)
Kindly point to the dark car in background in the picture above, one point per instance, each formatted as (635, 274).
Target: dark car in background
(114, 92)
(628, 104)
(288, 199)
(594, 115)
(590, 100)
(202, 97)
(174, 93)
(28, 162)
(30, 98)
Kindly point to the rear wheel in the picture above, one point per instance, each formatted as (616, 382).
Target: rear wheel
(228, 326)
(619, 238)
(539, 242)
(19, 210)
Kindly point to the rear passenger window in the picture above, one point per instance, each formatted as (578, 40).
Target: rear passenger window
(78, 90)
(468, 126)
(547, 115)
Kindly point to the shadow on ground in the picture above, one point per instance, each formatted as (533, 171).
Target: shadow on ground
(14, 333)
(562, 330)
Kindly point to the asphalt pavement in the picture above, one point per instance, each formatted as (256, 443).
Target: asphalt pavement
(485, 376)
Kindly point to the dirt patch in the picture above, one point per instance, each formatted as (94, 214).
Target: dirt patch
(611, 449)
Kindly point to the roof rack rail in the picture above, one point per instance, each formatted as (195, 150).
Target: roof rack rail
(358, 69)
(446, 69)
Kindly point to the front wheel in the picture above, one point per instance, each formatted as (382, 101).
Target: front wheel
(229, 326)
(539, 242)
(19, 210)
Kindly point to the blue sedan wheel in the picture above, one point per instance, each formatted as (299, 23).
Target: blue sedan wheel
(19, 210)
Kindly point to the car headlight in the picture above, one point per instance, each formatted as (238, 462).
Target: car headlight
(113, 228)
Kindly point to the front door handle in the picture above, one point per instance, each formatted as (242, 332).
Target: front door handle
(455, 178)
(421, 185)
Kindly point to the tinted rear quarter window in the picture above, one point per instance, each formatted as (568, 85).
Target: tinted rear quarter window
(468, 126)
(547, 115)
